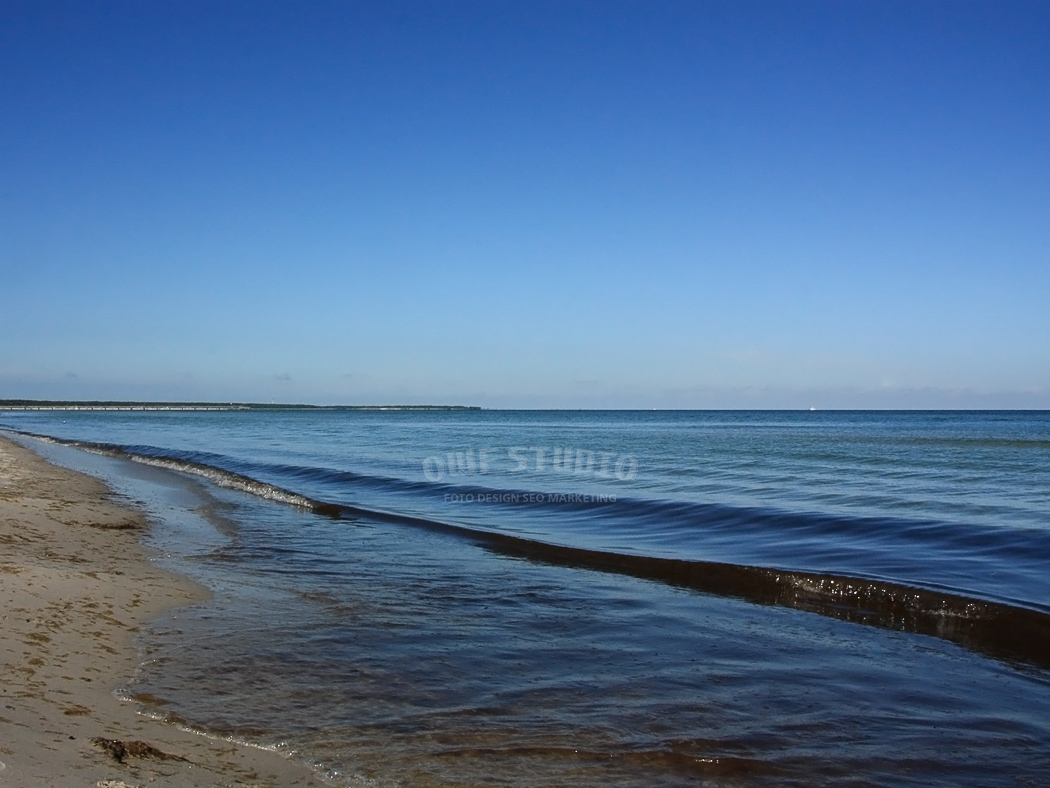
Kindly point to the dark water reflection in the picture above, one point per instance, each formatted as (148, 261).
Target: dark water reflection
(387, 654)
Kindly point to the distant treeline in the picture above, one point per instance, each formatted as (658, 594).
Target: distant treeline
(125, 405)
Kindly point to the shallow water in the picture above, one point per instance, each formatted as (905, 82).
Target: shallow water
(400, 642)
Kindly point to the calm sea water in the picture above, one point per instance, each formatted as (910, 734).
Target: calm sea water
(595, 598)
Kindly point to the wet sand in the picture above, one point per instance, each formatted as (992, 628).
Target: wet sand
(75, 584)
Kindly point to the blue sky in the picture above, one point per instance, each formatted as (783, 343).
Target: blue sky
(527, 204)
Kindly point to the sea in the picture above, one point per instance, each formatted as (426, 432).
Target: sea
(596, 598)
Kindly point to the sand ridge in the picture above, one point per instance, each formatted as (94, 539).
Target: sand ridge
(75, 584)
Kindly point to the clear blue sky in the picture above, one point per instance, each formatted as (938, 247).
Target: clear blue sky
(527, 204)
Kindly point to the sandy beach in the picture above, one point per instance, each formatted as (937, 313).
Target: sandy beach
(75, 584)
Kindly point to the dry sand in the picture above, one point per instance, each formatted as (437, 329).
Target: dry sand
(75, 583)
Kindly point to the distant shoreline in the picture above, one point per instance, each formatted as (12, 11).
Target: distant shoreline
(19, 404)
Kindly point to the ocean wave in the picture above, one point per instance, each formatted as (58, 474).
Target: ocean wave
(1005, 631)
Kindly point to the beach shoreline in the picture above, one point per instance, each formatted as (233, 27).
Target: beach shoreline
(76, 584)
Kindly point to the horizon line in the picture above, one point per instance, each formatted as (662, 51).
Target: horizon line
(177, 405)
